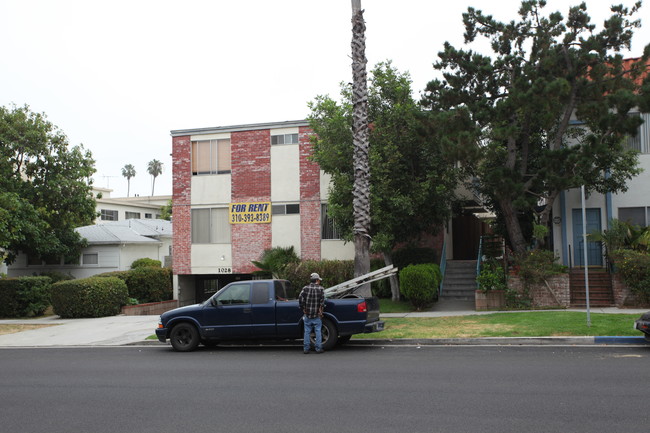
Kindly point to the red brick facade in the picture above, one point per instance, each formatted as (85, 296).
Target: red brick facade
(182, 216)
(251, 182)
(310, 204)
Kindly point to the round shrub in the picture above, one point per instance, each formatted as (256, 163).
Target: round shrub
(419, 284)
(24, 296)
(149, 284)
(144, 262)
(89, 297)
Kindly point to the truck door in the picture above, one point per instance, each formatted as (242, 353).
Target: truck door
(263, 305)
(230, 315)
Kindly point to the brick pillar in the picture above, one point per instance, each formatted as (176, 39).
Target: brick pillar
(310, 224)
(181, 200)
(251, 182)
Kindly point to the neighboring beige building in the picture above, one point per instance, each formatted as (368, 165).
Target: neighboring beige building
(123, 208)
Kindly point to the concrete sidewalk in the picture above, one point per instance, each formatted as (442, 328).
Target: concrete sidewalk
(128, 330)
(102, 331)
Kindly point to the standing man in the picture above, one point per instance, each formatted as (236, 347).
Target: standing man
(312, 302)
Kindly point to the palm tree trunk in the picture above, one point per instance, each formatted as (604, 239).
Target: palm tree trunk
(361, 190)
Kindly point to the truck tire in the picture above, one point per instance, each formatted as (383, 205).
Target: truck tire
(184, 337)
(330, 334)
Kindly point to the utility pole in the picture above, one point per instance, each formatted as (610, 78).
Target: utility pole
(361, 190)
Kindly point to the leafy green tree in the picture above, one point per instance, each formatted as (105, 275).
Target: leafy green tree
(128, 171)
(45, 187)
(546, 111)
(166, 211)
(274, 261)
(154, 168)
(412, 182)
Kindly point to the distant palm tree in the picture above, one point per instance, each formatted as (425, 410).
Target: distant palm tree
(128, 171)
(154, 168)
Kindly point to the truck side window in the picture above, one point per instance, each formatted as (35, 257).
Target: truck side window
(279, 292)
(235, 294)
(260, 293)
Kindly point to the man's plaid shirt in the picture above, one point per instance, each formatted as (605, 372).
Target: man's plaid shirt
(312, 300)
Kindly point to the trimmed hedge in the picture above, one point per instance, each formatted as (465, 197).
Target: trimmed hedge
(89, 297)
(24, 296)
(145, 261)
(146, 284)
(419, 283)
(149, 284)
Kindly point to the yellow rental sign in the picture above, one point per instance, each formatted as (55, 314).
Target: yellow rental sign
(250, 213)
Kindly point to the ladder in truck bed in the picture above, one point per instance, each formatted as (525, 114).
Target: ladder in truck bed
(348, 287)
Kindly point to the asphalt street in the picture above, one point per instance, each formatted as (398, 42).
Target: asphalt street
(504, 389)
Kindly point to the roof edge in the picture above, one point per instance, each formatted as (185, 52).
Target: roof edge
(237, 128)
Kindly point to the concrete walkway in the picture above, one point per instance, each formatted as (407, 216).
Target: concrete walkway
(127, 330)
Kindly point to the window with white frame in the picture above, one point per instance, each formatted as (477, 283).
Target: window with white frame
(285, 209)
(284, 139)
(328, 226)
(641, 141)
(211, 156)
(90, 259)
(210, 226)
(637, 216)
(132, 215)
(108, 215)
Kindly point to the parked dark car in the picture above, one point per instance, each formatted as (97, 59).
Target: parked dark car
(643, 325)
(263, 309)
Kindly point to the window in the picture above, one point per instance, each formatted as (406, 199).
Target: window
(285, 209)
(90, 259)
(148, 216)
(235, 294)
(210, 226)
(328, 226)
(634, 215)
(34, 260)
(132, 215)
(641, 141)
(108, 215)
(211, 156)
(260, 293)
(284, 139)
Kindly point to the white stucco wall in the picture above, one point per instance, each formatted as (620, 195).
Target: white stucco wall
(285, 231)
(209, 258)
(336, 250)
(285, 170)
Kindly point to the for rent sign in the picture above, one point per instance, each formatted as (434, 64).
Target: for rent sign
(249, 213)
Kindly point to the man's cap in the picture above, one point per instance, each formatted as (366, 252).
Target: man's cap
(314, 276)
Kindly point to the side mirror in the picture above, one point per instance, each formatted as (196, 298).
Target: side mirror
(213, 302)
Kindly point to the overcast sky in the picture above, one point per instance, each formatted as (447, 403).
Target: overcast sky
(118, 76)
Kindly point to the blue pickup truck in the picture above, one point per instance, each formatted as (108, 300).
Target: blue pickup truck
(263, 310)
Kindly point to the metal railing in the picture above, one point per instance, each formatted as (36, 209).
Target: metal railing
(443, 267)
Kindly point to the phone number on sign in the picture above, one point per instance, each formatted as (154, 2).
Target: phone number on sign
(250, 218)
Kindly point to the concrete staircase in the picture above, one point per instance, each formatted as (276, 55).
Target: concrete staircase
(459, 282)
(600, 288)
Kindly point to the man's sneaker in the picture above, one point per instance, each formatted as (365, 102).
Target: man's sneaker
(306, 352)
(320, 351)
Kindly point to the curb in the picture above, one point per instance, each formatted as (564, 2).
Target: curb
(486, 341)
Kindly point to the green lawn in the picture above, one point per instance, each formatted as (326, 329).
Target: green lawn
(525, 324)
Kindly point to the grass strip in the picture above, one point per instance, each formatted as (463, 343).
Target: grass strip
(526, 324)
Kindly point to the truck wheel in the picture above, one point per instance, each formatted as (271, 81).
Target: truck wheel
(184, 337)
(329, 333)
